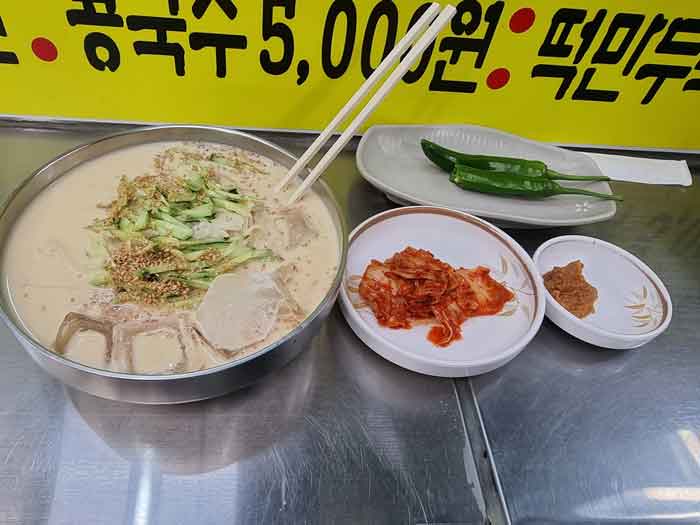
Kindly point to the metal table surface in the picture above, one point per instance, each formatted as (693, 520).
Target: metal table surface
(581, 435)
(577, 435)
(338, 436)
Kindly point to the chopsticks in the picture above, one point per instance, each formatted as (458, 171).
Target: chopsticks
(428, 37)
(378, 73)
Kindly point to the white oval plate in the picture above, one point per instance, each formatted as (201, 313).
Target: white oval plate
(633, 305)
(390, 158)
(460, 240)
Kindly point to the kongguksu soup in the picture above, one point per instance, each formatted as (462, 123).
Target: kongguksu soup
(168, 257)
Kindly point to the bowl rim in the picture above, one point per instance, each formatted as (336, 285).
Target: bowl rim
(20, 331)
(509, 352)
(587, 326)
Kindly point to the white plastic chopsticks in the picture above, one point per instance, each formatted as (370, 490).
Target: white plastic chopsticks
(428, 37)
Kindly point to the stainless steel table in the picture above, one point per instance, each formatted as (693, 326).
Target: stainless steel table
(587, 436)
(576, 435)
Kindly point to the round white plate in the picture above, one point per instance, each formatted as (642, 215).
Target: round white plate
(460, 240)
(633, 305)
(390, 158)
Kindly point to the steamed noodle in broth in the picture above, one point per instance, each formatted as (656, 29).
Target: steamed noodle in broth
(168, 257)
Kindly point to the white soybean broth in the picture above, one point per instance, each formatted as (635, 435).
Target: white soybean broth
(47, 262)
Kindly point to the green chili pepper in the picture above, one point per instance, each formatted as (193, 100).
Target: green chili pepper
(495, 183)
(447, 159)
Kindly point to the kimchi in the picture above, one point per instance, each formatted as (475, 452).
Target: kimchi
(414, 287)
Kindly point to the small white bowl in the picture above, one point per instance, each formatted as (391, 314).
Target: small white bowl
(460, 240)
(633, 305)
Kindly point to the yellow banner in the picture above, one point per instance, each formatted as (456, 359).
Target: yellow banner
(592, 72)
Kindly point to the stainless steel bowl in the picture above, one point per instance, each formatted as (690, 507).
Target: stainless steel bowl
(174, 388)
